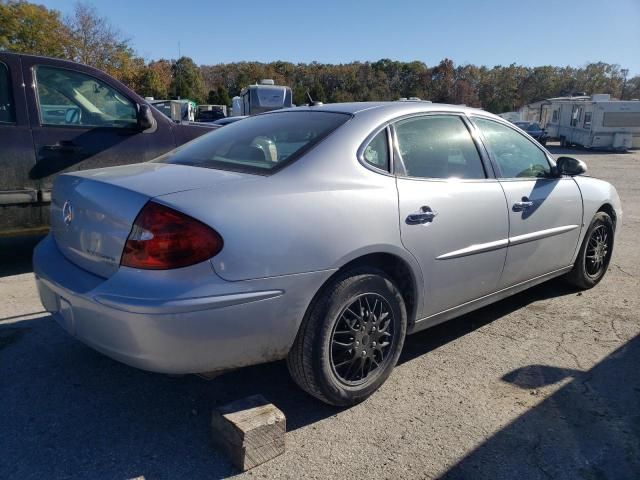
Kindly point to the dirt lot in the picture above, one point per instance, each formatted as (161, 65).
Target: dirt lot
(545, 384)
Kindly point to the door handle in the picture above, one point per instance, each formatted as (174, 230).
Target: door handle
(62, 146)
(425, 215)
(522, 205)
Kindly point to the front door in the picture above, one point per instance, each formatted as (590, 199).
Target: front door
(82, 119)
(545, 212)
(453, 215)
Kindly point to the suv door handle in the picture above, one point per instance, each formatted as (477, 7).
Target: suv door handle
(64, 146)
(425, 215)
(522, 205)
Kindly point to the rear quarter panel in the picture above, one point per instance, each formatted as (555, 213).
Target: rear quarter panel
(318, 213)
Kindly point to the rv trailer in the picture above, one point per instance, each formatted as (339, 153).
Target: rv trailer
(262, 97)
(593, 122)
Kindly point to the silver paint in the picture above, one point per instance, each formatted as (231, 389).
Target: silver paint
(285, 235)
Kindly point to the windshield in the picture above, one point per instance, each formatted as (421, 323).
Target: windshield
(258, 144)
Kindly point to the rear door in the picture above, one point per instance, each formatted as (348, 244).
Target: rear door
(17, 188)
(453, 214)
(545, 212)
(81, 118)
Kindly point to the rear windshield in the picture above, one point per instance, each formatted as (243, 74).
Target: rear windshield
(260, 144)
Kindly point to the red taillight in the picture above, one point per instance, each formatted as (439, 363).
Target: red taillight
(163, 238)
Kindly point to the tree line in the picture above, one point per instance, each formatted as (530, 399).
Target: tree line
(86, 37)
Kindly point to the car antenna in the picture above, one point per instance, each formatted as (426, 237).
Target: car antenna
(312, 102)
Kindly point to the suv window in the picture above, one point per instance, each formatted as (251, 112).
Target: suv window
(376, 153)
(71, 98)
(438, 146)
(7, 114)
(515, 154)
(258, 144)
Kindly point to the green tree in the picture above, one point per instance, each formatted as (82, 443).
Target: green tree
(187, 81)
(29, 28)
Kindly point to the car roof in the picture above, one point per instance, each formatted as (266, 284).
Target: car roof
(398, 107)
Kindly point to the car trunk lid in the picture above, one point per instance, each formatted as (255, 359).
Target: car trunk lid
(92, 211)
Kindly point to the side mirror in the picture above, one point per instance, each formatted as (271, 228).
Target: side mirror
(570, 166)
(145, 117)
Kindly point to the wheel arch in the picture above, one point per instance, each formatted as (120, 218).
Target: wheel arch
(405, 276)
(609, 210)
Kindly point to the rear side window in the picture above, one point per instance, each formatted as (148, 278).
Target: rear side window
(7, 113)
(258, 144)
(438, 146)
(376, 153)
(70, 98)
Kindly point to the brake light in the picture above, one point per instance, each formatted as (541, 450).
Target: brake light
(163, 238)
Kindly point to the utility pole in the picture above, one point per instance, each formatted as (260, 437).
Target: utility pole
(179, 72)
(625, 72)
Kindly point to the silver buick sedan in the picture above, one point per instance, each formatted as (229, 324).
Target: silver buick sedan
(319, 234)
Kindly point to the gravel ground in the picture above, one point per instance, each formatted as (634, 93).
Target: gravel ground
(542, 385)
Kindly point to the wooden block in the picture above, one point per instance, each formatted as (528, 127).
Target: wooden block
(250, 431)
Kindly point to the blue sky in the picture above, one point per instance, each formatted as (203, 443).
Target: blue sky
(498, 32)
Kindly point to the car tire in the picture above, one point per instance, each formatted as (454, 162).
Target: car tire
(595, 253)
(356, 324)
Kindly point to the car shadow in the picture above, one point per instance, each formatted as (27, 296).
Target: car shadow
(70, 412)
(16, 254)
(588, 429)
(427, 340)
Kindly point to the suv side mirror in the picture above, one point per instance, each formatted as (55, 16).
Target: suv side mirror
(145, 117)
(570, 166)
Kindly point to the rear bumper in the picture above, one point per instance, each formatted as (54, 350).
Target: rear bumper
(182, 321)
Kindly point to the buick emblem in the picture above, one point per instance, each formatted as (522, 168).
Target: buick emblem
(67, 213)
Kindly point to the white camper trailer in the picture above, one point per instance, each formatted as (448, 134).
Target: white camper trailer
(262, 97)
(593, 122)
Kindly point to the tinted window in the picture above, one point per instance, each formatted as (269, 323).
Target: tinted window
(438, 146)
(376, 153)
(515, 154)
(66, 97)
(7, 114)
(259, 143)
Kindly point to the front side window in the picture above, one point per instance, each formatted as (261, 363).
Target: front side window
(554, 118)
(587, 120)
(70, 98)
(515, 154)
(258, 144)
(7, 113)
(376, 153)
(438, 146)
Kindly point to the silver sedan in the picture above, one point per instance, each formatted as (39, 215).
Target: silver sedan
(319, 234)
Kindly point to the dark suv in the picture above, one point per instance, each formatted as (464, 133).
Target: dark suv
(58, 116)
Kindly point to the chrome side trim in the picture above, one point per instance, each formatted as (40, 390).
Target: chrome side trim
(437, 318)
(506, 242)
(473, 249)
(550, 232)
(158, 306)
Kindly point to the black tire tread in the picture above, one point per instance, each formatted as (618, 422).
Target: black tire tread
(576, 275)
(300, 358)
